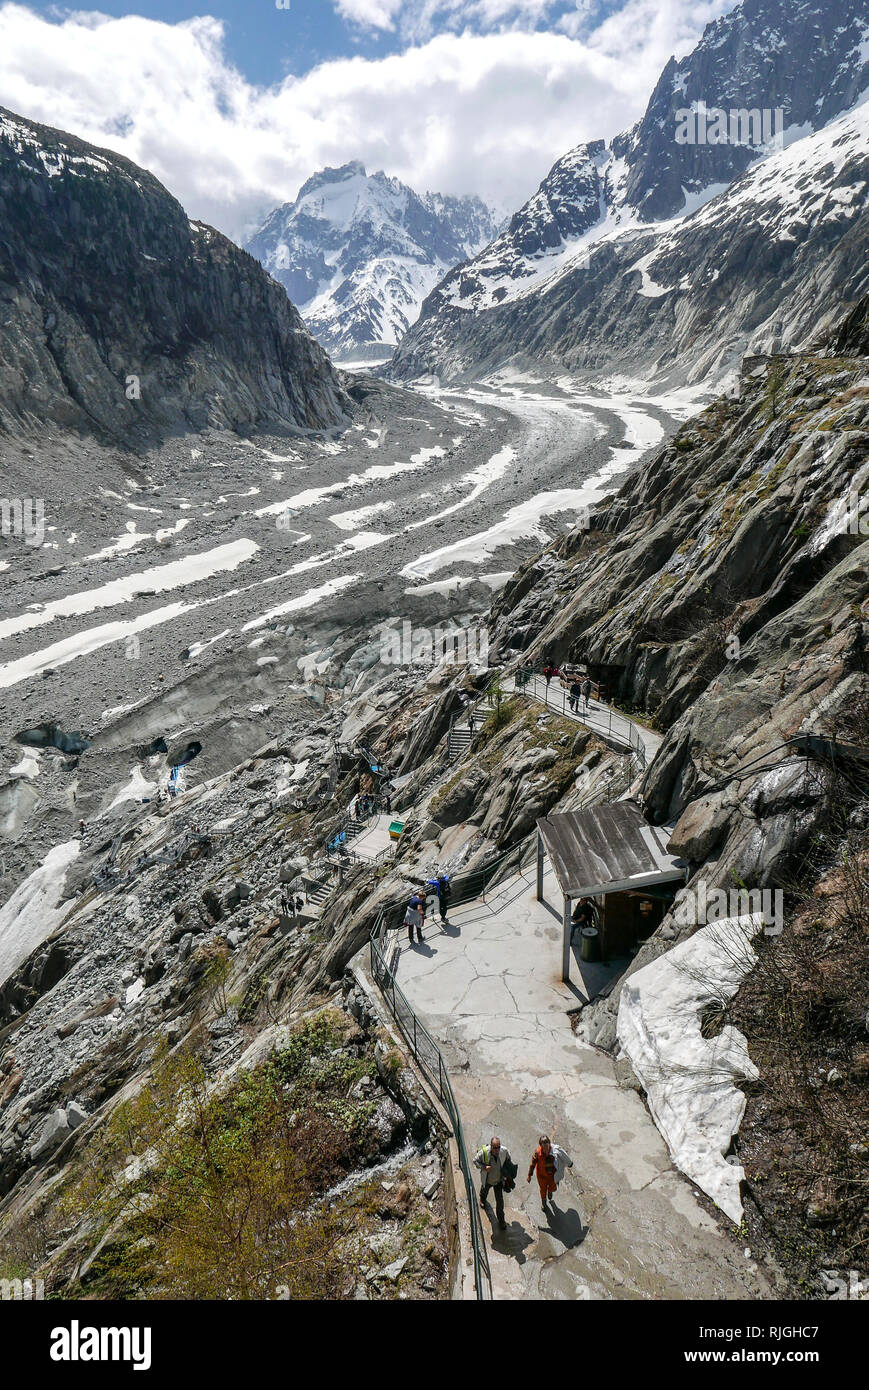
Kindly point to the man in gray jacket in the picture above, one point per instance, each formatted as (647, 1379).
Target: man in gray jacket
(495, 1165)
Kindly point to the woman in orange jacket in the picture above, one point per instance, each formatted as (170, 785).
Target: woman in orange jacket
(543, 1160)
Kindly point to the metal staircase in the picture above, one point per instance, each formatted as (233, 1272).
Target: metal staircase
(319, 892)
(459, 742)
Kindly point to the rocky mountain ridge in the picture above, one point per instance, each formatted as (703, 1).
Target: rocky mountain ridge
(119, 316)
(560, 284)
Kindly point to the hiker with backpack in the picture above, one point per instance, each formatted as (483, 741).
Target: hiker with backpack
(550, 1162)
(444, 892)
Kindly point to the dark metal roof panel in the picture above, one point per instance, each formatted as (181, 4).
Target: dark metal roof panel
(607, 847)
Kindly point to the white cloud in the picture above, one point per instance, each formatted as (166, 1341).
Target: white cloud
(647, 31)
(371, 14)
(458, 113)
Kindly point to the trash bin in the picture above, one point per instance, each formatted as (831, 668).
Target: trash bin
(590, 945)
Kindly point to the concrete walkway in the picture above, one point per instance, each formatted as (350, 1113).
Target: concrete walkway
(625, 1224)
(596, 715)
(374, 839)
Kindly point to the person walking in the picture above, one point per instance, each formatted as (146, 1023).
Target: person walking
(525, 674)
(574, 696)
(494, 1163)
(585, 691)
(445, 892)
(543, 1161)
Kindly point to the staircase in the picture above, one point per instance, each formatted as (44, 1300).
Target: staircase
(458, 742)
(344, 835)
(319, 893)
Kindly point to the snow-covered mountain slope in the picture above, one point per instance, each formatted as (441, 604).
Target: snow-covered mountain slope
(761, 267)
(764, 78)
(358, 253)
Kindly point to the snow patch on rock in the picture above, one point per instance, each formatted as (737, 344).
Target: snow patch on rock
(34, 910)
(691, 1081)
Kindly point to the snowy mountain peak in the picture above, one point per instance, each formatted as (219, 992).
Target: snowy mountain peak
(358, 253)
(355, 169)
(768, 75)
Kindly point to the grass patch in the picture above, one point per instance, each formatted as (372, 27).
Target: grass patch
(218, 1192)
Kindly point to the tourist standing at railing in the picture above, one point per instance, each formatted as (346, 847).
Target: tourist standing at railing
(444, 892)
(414, 917)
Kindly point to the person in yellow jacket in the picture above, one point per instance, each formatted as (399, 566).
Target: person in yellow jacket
(495, 1167)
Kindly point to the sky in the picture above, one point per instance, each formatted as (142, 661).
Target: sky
(234, 104)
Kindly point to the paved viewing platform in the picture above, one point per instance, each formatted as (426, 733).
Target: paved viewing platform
(374, 839)
(625, 1224)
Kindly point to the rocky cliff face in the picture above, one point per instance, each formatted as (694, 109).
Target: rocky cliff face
(358, 253)
(724, 592)
(121, 317)
(723, 595)
(806, 60)
(695, 234)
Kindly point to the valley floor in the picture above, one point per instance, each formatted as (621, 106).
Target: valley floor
(155, 599)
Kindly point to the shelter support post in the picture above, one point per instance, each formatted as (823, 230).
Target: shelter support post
(539, 867)
(565, 956)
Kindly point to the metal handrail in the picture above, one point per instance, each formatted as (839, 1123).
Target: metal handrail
(169, 854)
(426, 1051)
(633, 740)
(429, 1058)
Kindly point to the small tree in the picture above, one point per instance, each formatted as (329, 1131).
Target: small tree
(217, 973)
(775, 380)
